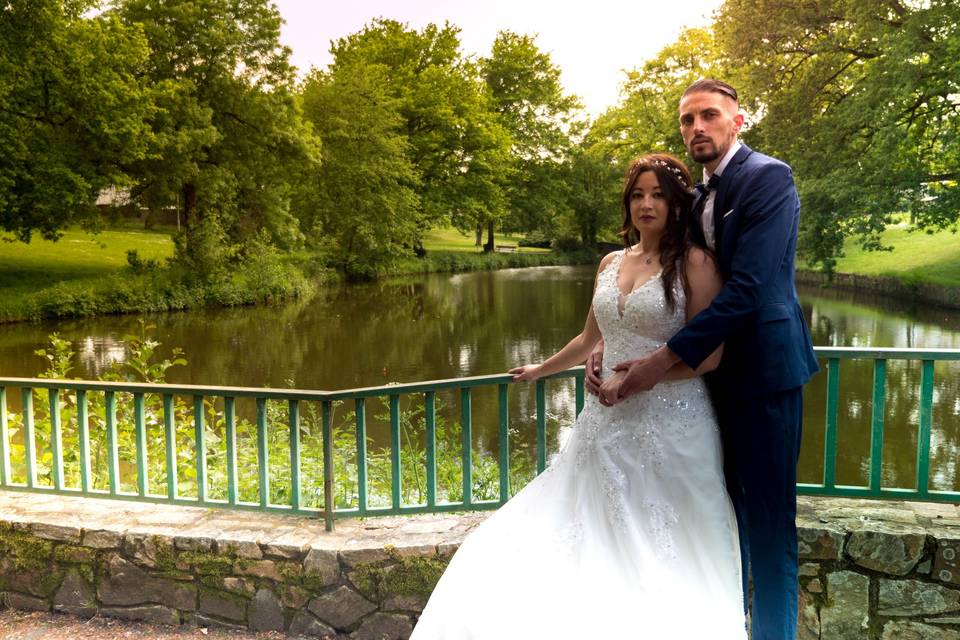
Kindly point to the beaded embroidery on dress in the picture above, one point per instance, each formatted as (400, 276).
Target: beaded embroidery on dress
(629, 533)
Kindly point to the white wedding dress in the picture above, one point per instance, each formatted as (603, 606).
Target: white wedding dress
(629, 533)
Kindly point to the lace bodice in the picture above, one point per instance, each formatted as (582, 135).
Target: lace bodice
(638, 322)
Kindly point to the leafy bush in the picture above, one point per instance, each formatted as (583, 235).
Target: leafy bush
(260, 277)
(536, 239)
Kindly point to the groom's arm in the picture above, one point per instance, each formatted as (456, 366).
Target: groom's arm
(770, 212)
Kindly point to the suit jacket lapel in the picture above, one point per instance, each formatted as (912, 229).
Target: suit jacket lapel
(720, 202)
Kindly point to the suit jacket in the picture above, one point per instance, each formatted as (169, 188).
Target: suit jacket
(757, 314)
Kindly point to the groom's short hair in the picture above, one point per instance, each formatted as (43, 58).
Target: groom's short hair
(713, 86)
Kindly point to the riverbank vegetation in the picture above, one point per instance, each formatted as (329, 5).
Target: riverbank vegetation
(132, 270)
(193, 112)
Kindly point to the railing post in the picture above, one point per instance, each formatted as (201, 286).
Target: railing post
(4, 440)
(430, 417)
(113, 457)
(230, 418)
(361, 418)
(580, 387)
(170, 438)
(56, 440)
(926, 423)
(466, 444)
(200, 438)
(830, 439)
(140, 433)
(83, 427)
(541, 426)
(876, 429)
(328, 499)
(396, 478)
(263, 458)
(504, 444)
(29, 437)
(294, 416)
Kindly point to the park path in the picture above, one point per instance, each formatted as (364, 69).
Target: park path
(24, 625)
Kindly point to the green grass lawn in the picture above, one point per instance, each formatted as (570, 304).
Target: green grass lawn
(80, 258)
(916, 257)
(452, 240)
(75, 257)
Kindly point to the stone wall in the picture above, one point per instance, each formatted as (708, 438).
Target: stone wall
(877, 570)
(175, 565)
(914, 292)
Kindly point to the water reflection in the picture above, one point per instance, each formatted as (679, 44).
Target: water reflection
(842, 319)
(445, 326)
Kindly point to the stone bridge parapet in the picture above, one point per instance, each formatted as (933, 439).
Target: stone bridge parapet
(869, 569)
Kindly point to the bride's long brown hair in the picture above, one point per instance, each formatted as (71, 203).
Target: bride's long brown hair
(675, 184)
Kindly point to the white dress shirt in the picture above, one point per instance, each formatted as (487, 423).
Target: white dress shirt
(706, 220)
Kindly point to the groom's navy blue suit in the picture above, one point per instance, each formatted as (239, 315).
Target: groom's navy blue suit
(767, 357)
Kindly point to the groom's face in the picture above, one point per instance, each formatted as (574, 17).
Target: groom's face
(709, 123)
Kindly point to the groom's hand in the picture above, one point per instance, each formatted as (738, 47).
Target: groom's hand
(644, 373)
(609, 393)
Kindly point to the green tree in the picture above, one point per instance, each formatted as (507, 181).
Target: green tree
(529, 99)
(862, 100)
(595, 178)
(75, 109)
(361, 206)
(456, 143)
(231, 138)
(646, 118)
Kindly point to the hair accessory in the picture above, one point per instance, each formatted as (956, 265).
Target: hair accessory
(675, 170)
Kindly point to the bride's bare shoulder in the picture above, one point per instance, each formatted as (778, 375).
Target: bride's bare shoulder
(606, 260)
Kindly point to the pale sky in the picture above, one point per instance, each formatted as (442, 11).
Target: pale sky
(592, 41)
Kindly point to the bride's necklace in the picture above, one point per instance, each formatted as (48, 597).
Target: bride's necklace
(647, 259)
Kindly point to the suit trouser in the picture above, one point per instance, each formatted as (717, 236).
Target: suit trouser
(761, 442)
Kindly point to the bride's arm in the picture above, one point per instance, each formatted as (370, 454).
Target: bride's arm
(575, 351)
(703, 284)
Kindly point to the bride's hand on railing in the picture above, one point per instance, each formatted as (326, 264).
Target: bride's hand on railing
(525, 373)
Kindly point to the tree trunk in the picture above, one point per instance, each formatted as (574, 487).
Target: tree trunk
(479, 241)
(487, 248)
(189, 194)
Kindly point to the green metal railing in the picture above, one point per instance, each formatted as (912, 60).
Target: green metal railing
(295, 400)
(921, 490)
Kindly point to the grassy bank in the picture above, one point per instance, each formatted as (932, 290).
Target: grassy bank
(921, 268)
(917, 257)
(450, 251)
(86, 275)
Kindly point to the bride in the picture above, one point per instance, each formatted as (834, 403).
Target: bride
(629, 533)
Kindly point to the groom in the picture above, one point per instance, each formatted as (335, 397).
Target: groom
(747, 213)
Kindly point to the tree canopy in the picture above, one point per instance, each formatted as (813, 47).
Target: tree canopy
(862, 99)
(532, 106)
(194, 104)
(75, 109)
(230, 138)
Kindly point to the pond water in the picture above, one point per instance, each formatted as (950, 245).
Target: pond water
(446, 326)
